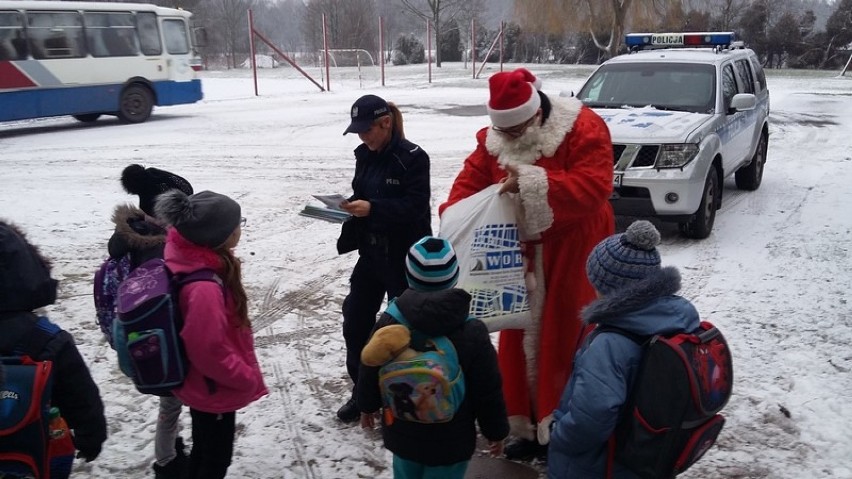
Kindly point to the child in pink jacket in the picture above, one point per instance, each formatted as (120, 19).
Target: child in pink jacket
(223, 374)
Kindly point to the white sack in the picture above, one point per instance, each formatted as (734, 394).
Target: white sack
(484, 232)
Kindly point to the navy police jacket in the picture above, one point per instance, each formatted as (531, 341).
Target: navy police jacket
(396, 183)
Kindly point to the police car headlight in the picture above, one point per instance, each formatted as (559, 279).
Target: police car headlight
(676, 156)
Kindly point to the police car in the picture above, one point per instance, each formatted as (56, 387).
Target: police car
(682, 120)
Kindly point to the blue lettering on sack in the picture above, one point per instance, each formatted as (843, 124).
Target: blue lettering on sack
(504, 259)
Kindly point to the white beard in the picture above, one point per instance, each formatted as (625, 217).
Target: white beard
(538, 140)
(524, 150)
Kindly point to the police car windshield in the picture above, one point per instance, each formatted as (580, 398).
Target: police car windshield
(665, 86)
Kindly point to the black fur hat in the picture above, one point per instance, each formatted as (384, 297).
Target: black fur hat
(150, 182)
(205, 218)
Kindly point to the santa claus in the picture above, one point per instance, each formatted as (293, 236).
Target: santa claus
(556, 155)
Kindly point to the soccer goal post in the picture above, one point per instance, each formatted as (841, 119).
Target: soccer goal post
(348, 57)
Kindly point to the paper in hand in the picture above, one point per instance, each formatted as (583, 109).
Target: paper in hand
(332, 201)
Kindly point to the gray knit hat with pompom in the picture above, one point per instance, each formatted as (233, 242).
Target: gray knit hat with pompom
(622, 259)
(205, 218)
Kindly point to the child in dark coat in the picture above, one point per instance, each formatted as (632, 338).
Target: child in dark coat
(26, 286)
(635, 295)
(141, 236)
(433, 307)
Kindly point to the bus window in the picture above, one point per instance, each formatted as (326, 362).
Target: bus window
(176, 38)
(111, 34)
(55, 35)
(89, 59)
(149, 33)
(12, 44)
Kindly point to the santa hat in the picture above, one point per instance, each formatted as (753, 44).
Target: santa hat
(514, 97)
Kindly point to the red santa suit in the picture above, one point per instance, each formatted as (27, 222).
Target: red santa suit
(565, 181)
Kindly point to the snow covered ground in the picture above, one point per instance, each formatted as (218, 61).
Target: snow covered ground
(775, 275)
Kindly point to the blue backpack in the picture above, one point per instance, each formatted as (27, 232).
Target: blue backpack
(427, 388)
(146, 332)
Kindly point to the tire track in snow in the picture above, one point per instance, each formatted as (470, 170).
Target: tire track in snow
(292, 421)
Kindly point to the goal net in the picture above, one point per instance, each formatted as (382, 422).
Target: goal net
(351, 67)
(347, 57)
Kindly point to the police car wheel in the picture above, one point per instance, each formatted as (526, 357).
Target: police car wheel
(749, 177)
(701, 223)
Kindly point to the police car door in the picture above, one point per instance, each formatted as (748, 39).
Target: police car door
(735, 134)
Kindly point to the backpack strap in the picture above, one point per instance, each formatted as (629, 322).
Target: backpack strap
(639, 339)
(205, 274)
(443, 343)
(395, 313)
(30, 335)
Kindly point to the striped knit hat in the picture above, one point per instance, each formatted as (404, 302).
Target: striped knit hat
(431, 265)
(623, 259)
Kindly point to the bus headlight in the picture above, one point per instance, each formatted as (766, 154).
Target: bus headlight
(676, 156)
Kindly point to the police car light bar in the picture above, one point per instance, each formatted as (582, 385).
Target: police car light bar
(638, 41)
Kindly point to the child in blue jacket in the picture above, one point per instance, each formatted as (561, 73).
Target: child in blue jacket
(634, 294)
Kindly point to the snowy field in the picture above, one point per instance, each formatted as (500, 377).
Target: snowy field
(775, 275)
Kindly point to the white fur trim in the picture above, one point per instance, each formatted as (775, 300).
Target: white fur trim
(507, 321)
(520, 426)
(543, 430)
(531, 343)
(563, 114)
(533, 188)
(517, 115)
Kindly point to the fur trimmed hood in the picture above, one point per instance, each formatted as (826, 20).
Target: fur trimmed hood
(126, 217)
(648, 307)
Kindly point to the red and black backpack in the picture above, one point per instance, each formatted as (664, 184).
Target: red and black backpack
(671, 417)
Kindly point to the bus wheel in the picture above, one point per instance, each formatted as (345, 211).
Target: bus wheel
(88, 117)
(136, 104)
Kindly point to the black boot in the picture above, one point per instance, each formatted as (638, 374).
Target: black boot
(177, 468)
(525, 450)
(349, 412)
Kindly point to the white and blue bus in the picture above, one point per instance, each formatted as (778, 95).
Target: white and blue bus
(90, 59)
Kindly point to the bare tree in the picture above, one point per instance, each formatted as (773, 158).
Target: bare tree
(396, 23)
(349, 24)
(280, 22)
(230, 19)
(605, 20)
(439, 12)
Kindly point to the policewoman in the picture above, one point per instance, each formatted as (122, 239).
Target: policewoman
(390, 207)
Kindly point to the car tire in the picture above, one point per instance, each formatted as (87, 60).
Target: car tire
(701, 223)
(749, 177)
(136, 104)
(88, 117)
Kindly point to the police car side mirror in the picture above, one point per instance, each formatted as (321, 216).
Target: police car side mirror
(743, 102)
(565, 94)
